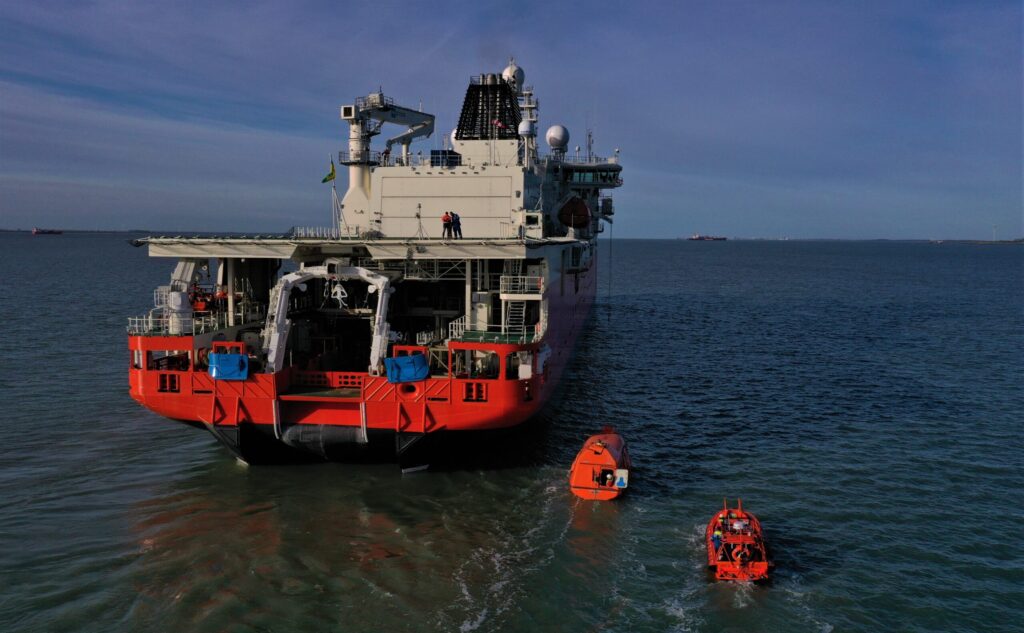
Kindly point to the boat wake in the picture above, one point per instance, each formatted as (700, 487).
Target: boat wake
(496, 575)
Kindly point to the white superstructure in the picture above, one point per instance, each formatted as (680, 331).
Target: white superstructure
(492, 176)
(528, 222)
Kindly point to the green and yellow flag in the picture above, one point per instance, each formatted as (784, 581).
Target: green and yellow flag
(329, 177)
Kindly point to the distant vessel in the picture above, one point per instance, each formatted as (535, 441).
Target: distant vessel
(39, 231)
(697, 237)
(389, 324)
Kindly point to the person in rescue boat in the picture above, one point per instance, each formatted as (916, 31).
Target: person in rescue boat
(716, 538)
(740, 554)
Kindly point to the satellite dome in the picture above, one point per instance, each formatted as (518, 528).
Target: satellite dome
(557, 137)
(526, 128)
(513, 74)
(452, 137)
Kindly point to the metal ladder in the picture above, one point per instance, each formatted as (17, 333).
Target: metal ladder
(515, 317)
(515, 311)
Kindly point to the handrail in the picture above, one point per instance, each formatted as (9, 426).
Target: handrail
(201, 322)
(374, 101)
(457, 327)
(580, 160)
(495, 333)
(322, 232)
(521, 285)
(364, 157)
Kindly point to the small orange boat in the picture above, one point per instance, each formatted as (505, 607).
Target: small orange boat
(736, 547)
(601, 469)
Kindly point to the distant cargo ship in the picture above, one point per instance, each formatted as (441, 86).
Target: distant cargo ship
(697, 237)
(39, 231)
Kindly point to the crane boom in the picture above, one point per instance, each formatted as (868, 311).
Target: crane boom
(382, 110)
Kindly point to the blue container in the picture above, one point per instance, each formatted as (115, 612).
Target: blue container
(229, 366)
(409, 368)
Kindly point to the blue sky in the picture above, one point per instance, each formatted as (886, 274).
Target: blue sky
(793, 119)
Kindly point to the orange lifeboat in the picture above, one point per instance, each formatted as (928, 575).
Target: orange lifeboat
(736, 547)
(601, 469)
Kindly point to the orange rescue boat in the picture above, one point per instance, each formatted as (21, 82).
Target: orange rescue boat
(736, 546)
(601, 469)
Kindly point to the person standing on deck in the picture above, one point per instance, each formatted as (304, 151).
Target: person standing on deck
(456, 226)
(446, 225)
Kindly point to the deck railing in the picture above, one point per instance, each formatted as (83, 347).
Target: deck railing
(521, 285)
(497, 334)
(163, 324)
(321, 233)
(457, 328)
(493, 333)
(580, 160)
(427, 337)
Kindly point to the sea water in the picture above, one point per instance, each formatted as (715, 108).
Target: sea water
(863, 398)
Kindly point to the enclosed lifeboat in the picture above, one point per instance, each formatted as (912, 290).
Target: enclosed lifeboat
(736, 546)
(601, 469)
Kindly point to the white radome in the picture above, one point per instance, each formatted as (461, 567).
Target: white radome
(526, 128)
(452, 137)
(513, 73)
(557, 137)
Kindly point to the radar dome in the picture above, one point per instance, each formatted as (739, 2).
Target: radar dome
(514, 74)
(452, 137)
(557, 137)
(526, 128)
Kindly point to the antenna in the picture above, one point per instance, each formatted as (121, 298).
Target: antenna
(421, 233)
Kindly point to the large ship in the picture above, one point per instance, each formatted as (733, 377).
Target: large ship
(697, 237)
(389, 324)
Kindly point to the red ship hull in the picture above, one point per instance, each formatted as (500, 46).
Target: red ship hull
(286, 407)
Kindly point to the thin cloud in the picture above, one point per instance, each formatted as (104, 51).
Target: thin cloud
(799, 119)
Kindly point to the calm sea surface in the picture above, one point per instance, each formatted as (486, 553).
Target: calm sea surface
(865, 400)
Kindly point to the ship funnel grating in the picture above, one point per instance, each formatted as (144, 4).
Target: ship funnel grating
(489, 111)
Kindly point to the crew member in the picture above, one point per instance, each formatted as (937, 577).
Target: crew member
(446, 225)
(456, 226)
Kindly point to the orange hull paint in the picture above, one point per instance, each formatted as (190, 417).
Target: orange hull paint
(593, 475)
(739, 552)
(450, 403)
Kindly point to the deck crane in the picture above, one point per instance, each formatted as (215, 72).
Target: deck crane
(365, 118)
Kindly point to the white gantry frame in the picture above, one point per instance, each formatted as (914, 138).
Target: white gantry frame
(275, 333)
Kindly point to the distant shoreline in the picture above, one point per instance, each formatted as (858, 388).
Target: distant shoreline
(1018, 241)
